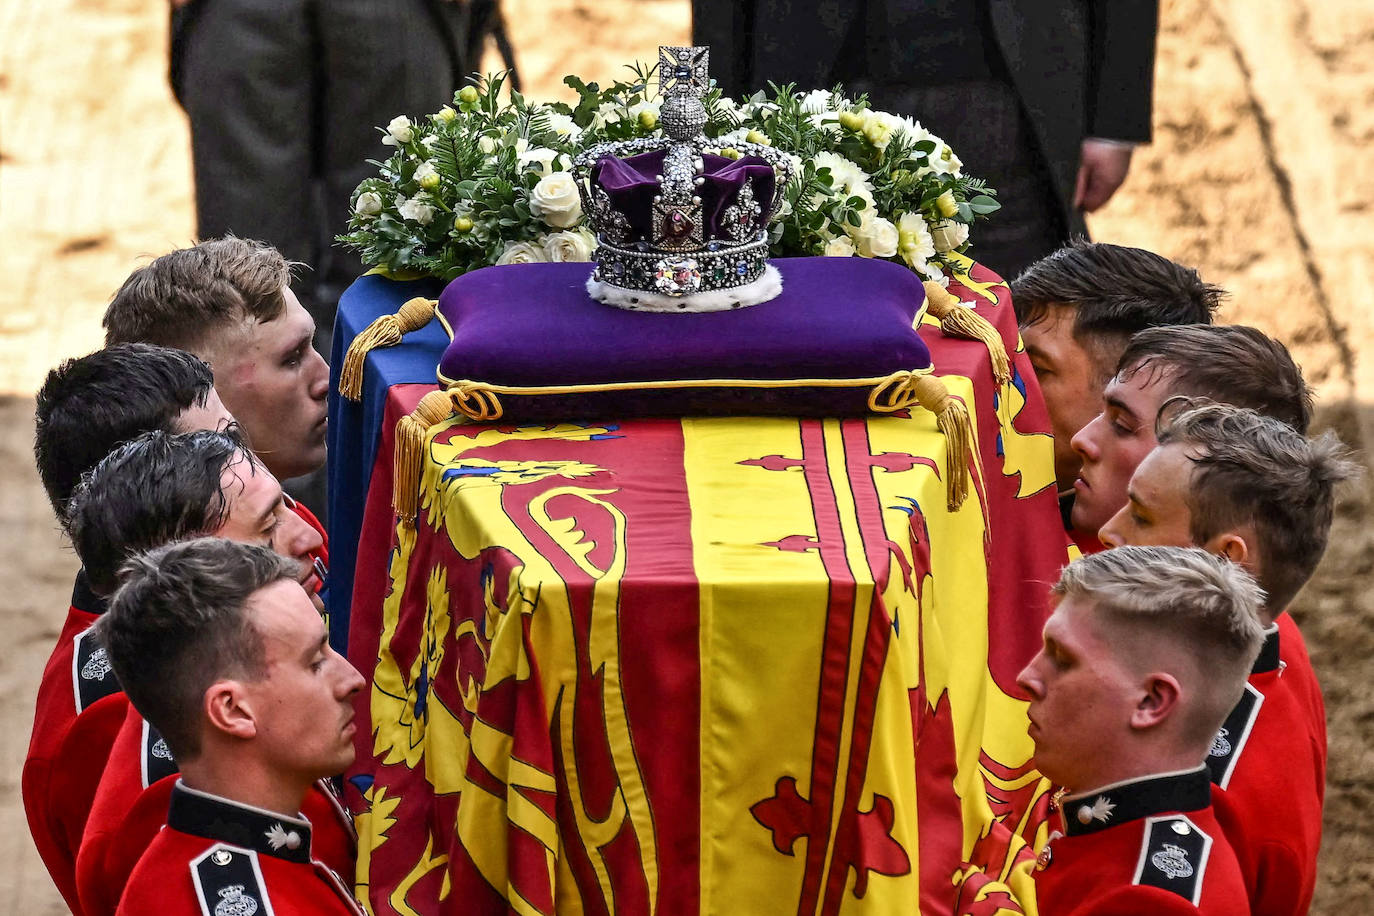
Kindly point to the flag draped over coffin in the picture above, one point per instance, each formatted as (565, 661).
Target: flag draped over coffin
(710, 665)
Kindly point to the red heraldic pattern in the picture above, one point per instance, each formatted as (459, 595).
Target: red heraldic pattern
(218, 856)
(79, 710)
(1148, 847)
(1273, 746)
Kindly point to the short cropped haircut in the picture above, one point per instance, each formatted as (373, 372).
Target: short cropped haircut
(1229, 364)
(157, 488)
(178, 624)
(1256, 471)
(189, 296)
(1204, 605)
(1115, 291)
(90, 405)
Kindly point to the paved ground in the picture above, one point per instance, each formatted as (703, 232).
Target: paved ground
(1259, 176)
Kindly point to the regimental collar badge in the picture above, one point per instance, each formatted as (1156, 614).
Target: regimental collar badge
(1100, 810)
(278, 837)
(680, 229)
(1137, 798)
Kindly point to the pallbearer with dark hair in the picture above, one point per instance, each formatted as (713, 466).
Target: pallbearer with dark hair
(86, 408)
(153, 490)
(222, 651)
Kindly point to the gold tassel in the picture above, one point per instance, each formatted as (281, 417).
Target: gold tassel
(386, 331)
(412, 433)
(958, 320)
(951, 416)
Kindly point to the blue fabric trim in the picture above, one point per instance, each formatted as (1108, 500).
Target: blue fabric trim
(355, 428)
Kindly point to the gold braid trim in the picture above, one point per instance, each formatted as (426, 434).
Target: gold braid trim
(958, 320)
(476, 401)
(412, 433)
(386, 331)
(902, 389)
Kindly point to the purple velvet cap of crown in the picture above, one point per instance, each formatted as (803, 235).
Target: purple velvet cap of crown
(632, 183)
(534, 325)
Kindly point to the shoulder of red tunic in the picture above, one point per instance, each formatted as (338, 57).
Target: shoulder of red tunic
(129, 808)
(220, 856)
(76, 715)
(1268, 763)
(1138, 840)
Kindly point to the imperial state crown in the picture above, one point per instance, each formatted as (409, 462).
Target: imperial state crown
(680, 229)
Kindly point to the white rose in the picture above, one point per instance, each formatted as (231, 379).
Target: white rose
(828, 121)
(839, 247)
(415, 210)
(817, 101)
(569, 245)
(541, 157)
(563, 125)
(759, 109)
(369, 203)
(914, 241)
(948, 235)
(876, 238)
(846, 177)
(912, 130)
(427, 176)
(944, 162)
(521, 253)
(399, 131)
(555, 201)
(487, 144)
(607, 113)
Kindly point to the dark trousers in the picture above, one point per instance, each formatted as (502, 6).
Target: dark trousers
(284, 99)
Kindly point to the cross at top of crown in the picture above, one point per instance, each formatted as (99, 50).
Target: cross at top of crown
(684, 71)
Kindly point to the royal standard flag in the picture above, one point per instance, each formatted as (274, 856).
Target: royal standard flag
(710, 665)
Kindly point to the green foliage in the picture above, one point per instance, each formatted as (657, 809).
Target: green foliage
(456, 192)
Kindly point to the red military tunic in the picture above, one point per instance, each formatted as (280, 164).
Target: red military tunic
(309, 518)
(79, 710)
(1149, 846)
(218, 856)
(1269, 766)
(131, 806)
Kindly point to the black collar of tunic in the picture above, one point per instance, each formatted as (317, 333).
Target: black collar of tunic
(1268, 659)
(1089, 812)
(83, 599)
(216, 818)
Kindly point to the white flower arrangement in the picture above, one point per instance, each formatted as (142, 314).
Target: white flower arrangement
(484, 182)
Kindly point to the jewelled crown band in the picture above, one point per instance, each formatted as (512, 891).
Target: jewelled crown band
(678, 228)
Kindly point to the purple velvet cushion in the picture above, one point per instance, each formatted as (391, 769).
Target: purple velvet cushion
(534, 326)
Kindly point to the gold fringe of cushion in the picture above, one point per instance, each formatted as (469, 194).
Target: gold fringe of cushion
(386, 331)
(412, 432)
(958, 320)
(902, 389)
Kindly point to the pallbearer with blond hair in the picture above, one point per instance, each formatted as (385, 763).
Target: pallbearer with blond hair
(1145, 654)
